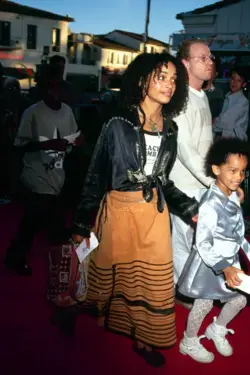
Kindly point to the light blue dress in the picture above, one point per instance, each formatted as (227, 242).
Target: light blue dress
(219, 236)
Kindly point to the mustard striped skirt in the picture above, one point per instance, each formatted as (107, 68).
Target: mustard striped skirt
(131, 272)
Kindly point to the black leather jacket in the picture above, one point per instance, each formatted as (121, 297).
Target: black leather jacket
(118, 164)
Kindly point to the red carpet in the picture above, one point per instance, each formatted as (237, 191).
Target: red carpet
(30, 345)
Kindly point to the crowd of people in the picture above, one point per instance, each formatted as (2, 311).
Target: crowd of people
(162, 194)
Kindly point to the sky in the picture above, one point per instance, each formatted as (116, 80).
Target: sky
(103, 16)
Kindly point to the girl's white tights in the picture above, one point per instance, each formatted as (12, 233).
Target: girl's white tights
(202, 307)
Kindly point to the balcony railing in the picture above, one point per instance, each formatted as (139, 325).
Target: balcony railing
(10, 44)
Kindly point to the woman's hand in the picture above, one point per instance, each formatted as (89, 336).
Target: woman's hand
(79, 239)
(79, 141)
(231, 276)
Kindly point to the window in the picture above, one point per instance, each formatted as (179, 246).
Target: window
(56, 39)
(112, 58)
(118, 59)
(5, 33)
(31, 36)
(86, 54)
(152, 49)
(125, 60)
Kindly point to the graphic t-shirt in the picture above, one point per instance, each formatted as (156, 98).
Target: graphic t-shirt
(153, 142)
(43, 171)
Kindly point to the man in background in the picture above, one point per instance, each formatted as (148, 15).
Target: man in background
(194, 139)
(48, 131)
(55, 69)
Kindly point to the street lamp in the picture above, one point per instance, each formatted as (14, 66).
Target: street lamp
(145, 36)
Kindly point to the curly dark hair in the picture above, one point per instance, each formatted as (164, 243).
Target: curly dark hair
(221, 149)
(135, 82)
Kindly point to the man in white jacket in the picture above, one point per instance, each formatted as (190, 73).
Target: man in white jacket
(194, 139)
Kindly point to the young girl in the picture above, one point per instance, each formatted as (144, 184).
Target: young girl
(211, 272)
(131, 273)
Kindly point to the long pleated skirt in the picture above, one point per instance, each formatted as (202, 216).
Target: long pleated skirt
(131, 272)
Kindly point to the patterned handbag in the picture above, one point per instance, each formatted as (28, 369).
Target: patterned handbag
(67, 285)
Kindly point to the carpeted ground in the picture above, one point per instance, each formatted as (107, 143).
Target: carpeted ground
(30, 345)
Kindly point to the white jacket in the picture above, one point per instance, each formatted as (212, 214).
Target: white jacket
(194, 139)
(233, 120)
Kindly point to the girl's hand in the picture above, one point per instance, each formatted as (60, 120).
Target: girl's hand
(231, 276)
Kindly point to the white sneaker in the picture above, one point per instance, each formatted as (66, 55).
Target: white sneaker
(193, 348)
(217, 334)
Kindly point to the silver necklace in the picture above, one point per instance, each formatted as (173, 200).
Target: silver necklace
(154, 126)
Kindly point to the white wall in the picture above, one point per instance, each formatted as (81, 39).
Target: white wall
(124, 39)
(44, 35)
(82, 69)
(44, 38)
(230, 19)
(118, 56)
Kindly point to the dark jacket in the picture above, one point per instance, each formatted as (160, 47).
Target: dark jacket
(118, 164)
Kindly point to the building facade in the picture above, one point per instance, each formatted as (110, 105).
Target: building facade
(224, 26)
(108, 57)
(28, 36)
(110, 53)
(136, 41)
(113, 59)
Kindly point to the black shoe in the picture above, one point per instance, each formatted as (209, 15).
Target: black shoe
(22, 269)
(153, 357)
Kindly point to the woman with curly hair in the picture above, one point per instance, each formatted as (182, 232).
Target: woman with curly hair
(131, 272)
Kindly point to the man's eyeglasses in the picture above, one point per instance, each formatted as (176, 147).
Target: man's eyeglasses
(204, 58)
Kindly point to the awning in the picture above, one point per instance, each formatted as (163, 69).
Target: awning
(11, 53)
(218, 42)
